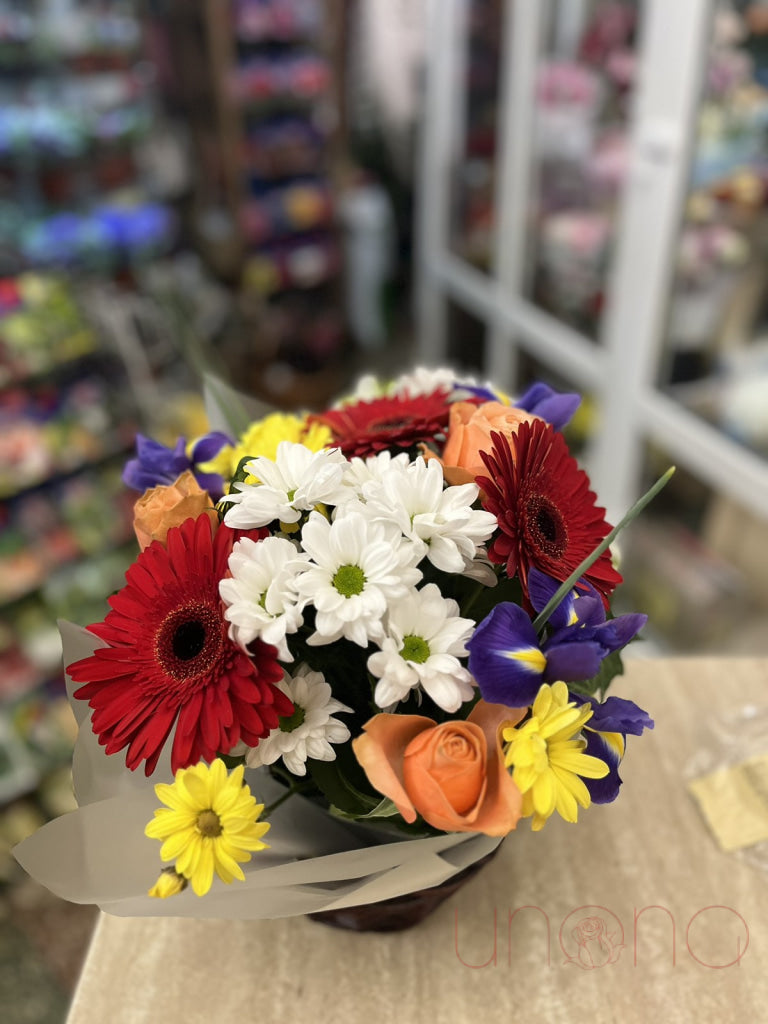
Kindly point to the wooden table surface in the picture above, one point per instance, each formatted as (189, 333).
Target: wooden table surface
(651, 849)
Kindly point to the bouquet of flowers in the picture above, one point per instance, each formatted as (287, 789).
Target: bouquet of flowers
(395, 612)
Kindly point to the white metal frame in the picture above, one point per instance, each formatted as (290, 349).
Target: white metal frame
(620, 372)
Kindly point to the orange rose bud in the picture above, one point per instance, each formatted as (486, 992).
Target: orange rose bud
(167, 505)
(448, 764)
(452, 774)
(469, 433)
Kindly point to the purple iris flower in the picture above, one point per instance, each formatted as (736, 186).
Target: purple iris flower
(540, 399)
(616, 714)
(157, 464)
(475, 389)
(509, 661)
(606, 735)
(554, 407)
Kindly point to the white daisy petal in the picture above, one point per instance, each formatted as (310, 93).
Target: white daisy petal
(261, 600)
(356, 571)
(294, 483)
(439, 520)
(425, 638)
(310, 731)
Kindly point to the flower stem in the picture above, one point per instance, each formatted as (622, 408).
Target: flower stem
(296, 787)
(466, 606)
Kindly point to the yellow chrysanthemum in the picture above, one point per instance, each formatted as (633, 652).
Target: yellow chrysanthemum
(210, 823)
(263, 437)
(547, 761)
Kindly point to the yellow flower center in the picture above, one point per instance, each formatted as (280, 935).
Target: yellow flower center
(349, 580)
(208, 824)
(415, 648)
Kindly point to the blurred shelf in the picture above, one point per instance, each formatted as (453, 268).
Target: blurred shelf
(9, 492)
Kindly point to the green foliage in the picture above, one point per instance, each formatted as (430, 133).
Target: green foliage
(384, 809)
(343, 783)
(474, 599)
(344, 666)
(611, 666)
(389, 822)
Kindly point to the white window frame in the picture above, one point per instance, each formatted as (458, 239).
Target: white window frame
(621, 370)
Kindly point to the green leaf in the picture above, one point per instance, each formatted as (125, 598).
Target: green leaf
(344, 665)
(475, 600)
(394, 824)
(339, 790)
(225, 401)
(383, 810)
(565, 588)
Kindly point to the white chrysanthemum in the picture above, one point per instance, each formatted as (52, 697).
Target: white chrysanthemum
(425, 639)
(358, 570)
(366, 389)
(423, 381)
(295, 482)
(309, 731)
(440, 521)
(261, 598)
(374, 467)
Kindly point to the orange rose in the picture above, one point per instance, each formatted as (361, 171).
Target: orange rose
(453, 774)
(167, 505)
(469, 433)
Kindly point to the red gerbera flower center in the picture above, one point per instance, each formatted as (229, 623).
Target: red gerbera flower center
(188, 642)
(546, 529)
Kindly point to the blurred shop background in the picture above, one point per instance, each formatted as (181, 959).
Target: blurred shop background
(291, 193)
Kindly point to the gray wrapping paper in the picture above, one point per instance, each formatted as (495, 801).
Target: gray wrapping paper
(99, 853)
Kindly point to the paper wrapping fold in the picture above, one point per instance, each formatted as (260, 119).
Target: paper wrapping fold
(99, 853)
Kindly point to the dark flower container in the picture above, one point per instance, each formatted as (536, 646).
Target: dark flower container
(401, 912)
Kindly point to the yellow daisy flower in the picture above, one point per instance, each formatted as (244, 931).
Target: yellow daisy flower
(547, 761)
(263, 437)
(210, 823)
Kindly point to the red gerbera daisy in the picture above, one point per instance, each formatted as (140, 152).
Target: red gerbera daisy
(366, 428)
(170, 660)
(546, 511)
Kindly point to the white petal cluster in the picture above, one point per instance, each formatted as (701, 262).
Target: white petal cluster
(261, 600)
(425, 638)
(357, 570)
(311, 729)
(294, 483)
(361, 532)
(423, 381)
(441, 523)
(375, 467)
